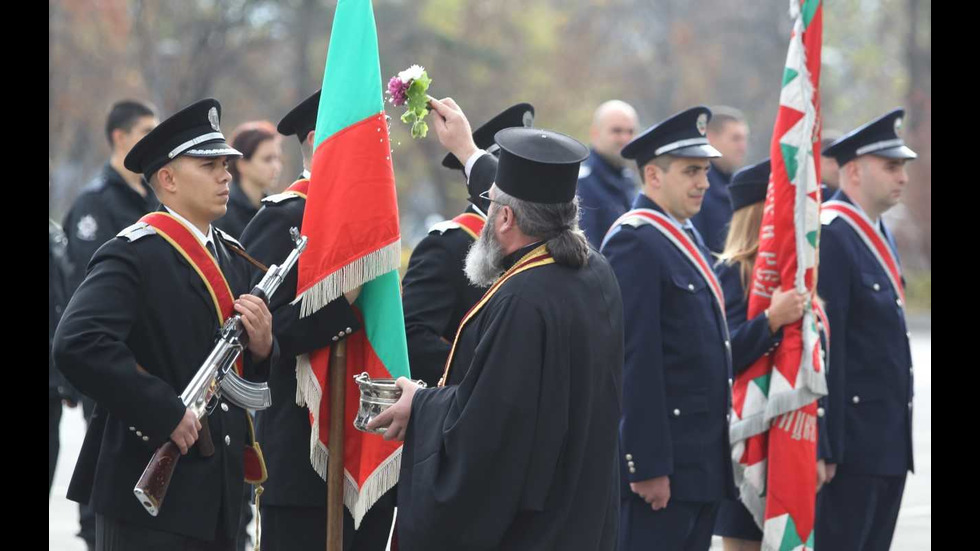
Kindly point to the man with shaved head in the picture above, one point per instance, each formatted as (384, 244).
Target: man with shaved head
(606, 186)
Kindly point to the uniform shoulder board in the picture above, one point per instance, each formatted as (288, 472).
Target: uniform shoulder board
(136, 231)
(634, 221)
(584, 171)
(225, 236)
(444, 226)
(279, 198)
(828, 216)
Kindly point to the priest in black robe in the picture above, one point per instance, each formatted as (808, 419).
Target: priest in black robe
(518, 449)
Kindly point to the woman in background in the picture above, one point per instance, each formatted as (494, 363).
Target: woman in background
(254, 175)
(752, 338)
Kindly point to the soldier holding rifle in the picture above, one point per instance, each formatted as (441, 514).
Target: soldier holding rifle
(136, 332)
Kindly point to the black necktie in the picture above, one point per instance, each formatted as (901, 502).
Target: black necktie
(213, 252)
(692, 235)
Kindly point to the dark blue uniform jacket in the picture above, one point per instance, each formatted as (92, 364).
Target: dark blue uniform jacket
(676, 375)
(605, 193)
(105, 206)
(869, 416)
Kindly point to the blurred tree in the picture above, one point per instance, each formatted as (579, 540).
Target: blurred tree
(260, 57)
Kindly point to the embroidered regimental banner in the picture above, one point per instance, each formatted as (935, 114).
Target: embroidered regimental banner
(773, 426)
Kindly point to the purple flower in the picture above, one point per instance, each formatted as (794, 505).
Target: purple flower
(398, 91)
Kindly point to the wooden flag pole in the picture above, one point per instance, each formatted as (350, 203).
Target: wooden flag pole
(335, 445)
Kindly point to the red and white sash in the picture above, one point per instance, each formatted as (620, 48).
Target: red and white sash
(471, 223)
(872, 237)
(300, 187)
(681, 240)
(180, 237)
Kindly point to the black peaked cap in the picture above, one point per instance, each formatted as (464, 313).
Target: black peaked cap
(520, 115)
(301, 119)
(879, 137)
(193, 131)
(682, 135)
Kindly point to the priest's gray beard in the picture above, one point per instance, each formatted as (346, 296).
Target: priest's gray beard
(484, 261)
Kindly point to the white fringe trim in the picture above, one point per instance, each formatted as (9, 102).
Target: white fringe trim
(754, 503)
(785, 402)
(748, 427)
(384, 478)
(350, 277)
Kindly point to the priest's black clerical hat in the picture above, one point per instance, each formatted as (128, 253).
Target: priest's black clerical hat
(537, 165)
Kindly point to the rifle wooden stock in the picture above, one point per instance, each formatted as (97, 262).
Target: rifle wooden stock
(205, 445)
(152, 486)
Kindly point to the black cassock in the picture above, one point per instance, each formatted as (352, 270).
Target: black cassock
(519, 450)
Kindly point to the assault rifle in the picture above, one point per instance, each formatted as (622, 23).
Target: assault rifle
(216, 378)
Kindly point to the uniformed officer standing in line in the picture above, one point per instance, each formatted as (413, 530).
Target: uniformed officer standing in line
(138, 328)
(113, 200)
(674, 446)
(606, 182)
(435, 292)
(294, 499)
(728, 133)
(869, 418)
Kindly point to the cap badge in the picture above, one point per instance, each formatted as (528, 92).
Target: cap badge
(528, 119)
(87, 228)
(898, 124)
(702, 123)
(213, 118)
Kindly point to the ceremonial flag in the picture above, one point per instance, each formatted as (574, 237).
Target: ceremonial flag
(351, 221)
(774, 423)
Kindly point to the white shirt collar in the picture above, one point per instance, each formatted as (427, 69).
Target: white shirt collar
(684, 226)
(876, 221)
(306, 174)
(203, 239)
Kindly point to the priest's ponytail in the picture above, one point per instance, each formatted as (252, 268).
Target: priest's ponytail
(569, 248)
